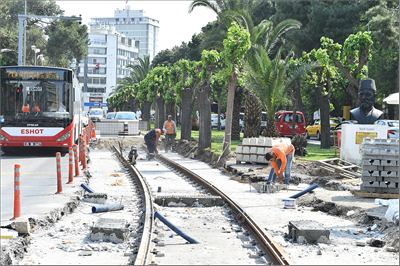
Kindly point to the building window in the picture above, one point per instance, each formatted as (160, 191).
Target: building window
(100, 90)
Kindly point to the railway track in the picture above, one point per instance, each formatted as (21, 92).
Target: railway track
(195, 191)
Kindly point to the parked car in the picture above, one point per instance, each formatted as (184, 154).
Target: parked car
(284, 119)
(339, 127)
(111, 115)
(96, 114)
(126, 116)
(263, 121)
(314, 130)
(241, 122)
(214, 121)
(85, 119)
(393, 127)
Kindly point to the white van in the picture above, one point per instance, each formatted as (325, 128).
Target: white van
(97, 114)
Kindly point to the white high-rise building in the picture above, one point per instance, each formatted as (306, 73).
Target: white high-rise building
(134, 24)
(110, 53)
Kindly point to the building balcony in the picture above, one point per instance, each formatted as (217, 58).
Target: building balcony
(98, 55)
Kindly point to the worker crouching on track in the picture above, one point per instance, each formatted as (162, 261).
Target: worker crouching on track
(151, 139)
(170, 128)
(281, 157)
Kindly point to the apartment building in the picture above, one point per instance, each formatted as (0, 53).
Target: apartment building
(110, 52)
(134, 24)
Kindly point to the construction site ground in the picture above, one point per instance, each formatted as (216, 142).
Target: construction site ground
(351, 220)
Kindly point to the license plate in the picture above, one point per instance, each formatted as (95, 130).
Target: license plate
(32, 144)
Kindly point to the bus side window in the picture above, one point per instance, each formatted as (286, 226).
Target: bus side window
(77, 95)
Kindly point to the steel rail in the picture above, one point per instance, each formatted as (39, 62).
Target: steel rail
(144, 254)
(264, 238)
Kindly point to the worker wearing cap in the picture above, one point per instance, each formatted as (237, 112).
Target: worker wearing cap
(281, 157)
(151, 139)
(170, 128)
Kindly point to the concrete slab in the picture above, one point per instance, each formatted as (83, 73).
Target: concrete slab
(113, 230)
(189, 200)
(22, 225)
(308, 232)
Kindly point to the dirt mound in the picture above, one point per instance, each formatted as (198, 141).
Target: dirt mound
(107, 143)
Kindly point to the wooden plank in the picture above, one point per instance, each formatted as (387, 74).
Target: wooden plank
(358, 193)
(352, 180)
(338, 168)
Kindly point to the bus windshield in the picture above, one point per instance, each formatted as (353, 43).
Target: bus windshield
(43, 101)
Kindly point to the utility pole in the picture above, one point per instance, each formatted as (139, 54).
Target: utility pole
(25, 37)
(21, 19)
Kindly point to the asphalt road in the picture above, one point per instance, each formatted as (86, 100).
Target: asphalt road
(38, 181)
(312, 140)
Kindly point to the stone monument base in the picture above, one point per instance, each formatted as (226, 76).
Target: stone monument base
(352, 138)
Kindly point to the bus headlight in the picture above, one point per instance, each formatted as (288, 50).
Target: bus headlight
(3, 138)
(65, 136)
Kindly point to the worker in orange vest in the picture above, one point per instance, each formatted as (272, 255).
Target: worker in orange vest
(281, 157)
(170, 128)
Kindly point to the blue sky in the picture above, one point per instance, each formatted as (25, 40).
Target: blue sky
(176, 24)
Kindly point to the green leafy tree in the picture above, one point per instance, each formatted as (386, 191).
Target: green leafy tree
(209, 60)
(321, 80)
(236, 46)
(58, 40)
(188, 81)
(332, 19)
(351, 58)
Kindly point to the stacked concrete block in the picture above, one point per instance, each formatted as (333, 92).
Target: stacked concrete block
(380, 168)
(253, 150)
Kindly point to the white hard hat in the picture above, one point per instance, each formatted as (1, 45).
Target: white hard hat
(164, 131)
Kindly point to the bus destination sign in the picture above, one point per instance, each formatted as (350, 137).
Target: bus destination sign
(33, 74)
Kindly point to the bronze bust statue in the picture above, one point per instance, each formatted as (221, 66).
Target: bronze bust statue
(366, 113)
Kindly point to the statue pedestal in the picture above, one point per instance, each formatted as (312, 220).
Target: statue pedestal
(352, 138)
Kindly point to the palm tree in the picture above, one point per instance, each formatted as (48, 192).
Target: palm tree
(268, 80)
(264, 34)
(141, 70)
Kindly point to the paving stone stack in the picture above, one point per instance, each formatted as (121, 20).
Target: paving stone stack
(253, 150)
(380, 165)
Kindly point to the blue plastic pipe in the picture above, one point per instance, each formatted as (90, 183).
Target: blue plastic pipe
(312, 187)
(107, 208)
(174, 228)
(88, 189)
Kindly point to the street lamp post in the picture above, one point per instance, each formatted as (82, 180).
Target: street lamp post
(33, 47)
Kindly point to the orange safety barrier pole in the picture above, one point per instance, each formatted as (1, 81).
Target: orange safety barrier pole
(17, 192)
(94, 130)
(76, 161)
(80, 149)
(84, 156)
(59, 178)
(87, 135)
(71, 166)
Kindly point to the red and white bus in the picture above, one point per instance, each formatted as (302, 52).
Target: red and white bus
(39, 107)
